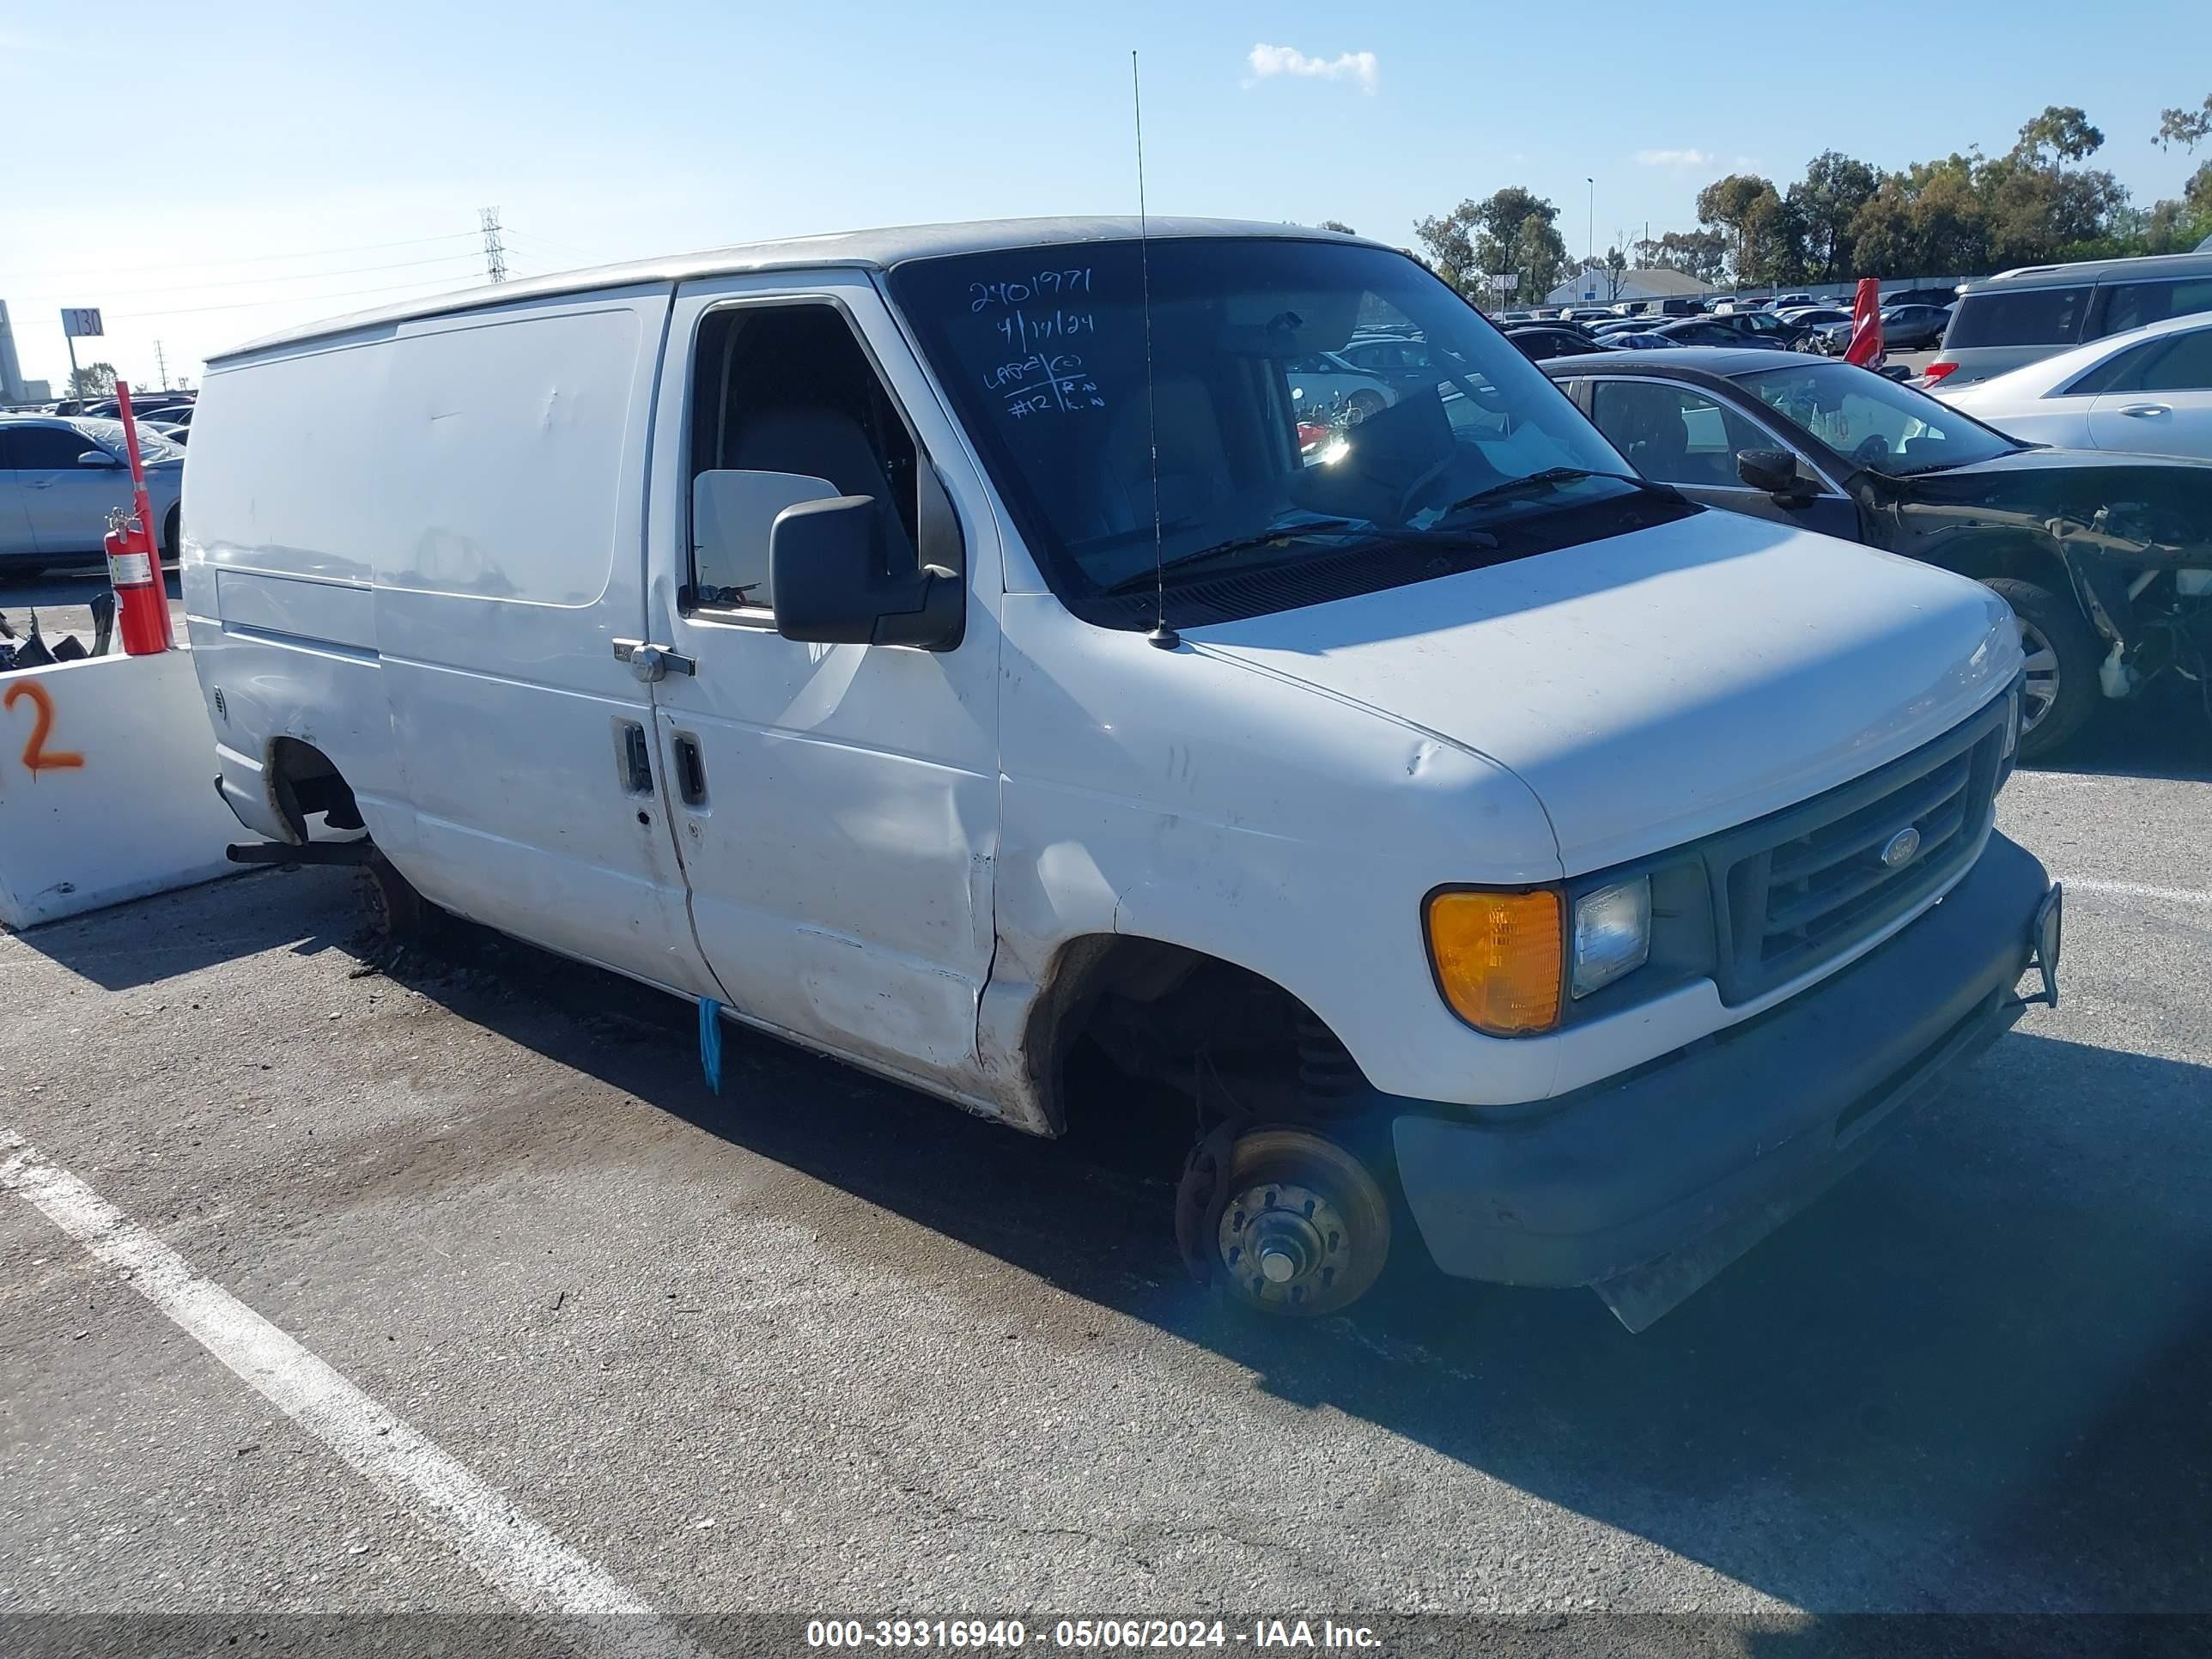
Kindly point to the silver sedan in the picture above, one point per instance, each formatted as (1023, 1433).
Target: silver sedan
(59, 479)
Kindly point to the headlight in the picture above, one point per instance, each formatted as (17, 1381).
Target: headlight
(2012, 722)
(1613, 934)
(1497, 958)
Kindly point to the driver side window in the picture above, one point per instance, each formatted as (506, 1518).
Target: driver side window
(1676, 434)
(44, 448)
(788, 408)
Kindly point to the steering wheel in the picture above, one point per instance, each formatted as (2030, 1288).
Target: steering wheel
(1875, 447)
(1409, 498)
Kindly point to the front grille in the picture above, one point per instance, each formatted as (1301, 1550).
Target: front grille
(1801, 886)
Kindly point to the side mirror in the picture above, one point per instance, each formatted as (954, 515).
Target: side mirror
(833, 584)
(1775, 471)
(98, 458)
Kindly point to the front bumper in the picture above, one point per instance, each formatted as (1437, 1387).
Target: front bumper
(1645, 1186)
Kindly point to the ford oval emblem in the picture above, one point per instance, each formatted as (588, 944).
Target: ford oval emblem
(1896, 852)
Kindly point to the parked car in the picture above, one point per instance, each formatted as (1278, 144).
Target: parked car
(1396, 360)
(1903, 328)
(1808, 321)
(1913, 327)
(1941, 298)
(1539, 342)
(1009, 718)
(1733, 328)
(142, 404)
(1583, 313)
(2021, 317)
(1754, 328)
(1830, 339)
(1323, 380)
(2093, 551)
(58, 478)
(2148, 391)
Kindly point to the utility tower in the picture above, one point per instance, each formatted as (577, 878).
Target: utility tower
(494, 254)
(161, 363)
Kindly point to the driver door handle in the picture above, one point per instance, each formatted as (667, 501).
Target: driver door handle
(2143, 411)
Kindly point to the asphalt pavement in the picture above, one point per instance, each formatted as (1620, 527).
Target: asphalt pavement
(821, 1346)
(62, 601)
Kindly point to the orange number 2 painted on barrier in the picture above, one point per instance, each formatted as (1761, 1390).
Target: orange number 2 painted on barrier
(36, 755)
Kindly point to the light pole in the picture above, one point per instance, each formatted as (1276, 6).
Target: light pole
(1589, 247)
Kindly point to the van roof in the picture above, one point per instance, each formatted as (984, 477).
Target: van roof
(874, 250)
(2146, 266)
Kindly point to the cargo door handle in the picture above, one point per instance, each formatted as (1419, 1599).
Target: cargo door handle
(2144, 411)
(691, 771)
(652, 662)
(636, 755)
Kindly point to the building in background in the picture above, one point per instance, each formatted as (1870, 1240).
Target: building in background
(1597, 287)
(14, 388)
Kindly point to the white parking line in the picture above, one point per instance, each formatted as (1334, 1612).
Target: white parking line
(514, 1555)
(2192, 898)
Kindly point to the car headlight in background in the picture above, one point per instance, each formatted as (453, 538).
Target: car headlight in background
(1613, 934)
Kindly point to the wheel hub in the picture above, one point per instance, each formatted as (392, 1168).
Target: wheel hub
(1283, 1244)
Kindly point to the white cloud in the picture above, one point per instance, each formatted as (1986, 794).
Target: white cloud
(1267, 62)
(1672, 158)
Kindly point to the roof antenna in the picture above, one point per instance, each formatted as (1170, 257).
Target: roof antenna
(1161, 635)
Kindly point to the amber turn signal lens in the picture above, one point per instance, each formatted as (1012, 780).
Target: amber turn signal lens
(1498, 958)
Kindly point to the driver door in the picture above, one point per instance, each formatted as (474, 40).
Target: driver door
(1688, 437)
(15, 538)
(66, 504)
(836, 806)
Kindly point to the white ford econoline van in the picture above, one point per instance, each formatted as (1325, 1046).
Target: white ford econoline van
(941, 646)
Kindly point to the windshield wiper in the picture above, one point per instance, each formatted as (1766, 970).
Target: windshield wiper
(1552, 478)
(1284, 533)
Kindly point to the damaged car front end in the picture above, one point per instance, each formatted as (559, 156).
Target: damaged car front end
(2123, 542)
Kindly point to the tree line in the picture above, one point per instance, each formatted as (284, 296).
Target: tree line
(1964, 213)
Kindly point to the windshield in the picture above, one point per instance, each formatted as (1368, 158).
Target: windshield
(1311, 401)
(1881, 426)
(108, 435)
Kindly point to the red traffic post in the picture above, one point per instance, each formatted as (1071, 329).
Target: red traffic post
(1865, 349)
(134, 556)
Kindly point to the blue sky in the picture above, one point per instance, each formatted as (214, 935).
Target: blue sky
(304, 156)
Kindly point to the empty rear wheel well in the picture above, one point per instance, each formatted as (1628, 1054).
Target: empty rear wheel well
(303, 781)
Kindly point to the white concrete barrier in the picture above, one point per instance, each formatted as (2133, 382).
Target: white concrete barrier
(106, 790)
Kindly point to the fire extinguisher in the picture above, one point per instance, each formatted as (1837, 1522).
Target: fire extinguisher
(134, 556)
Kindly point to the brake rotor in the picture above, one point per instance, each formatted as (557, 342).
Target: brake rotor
(1304, 1229)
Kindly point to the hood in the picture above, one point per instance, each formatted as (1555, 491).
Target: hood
(2045, 465)
(1658, 686)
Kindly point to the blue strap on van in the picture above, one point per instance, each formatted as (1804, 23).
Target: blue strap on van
(710, 1042)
